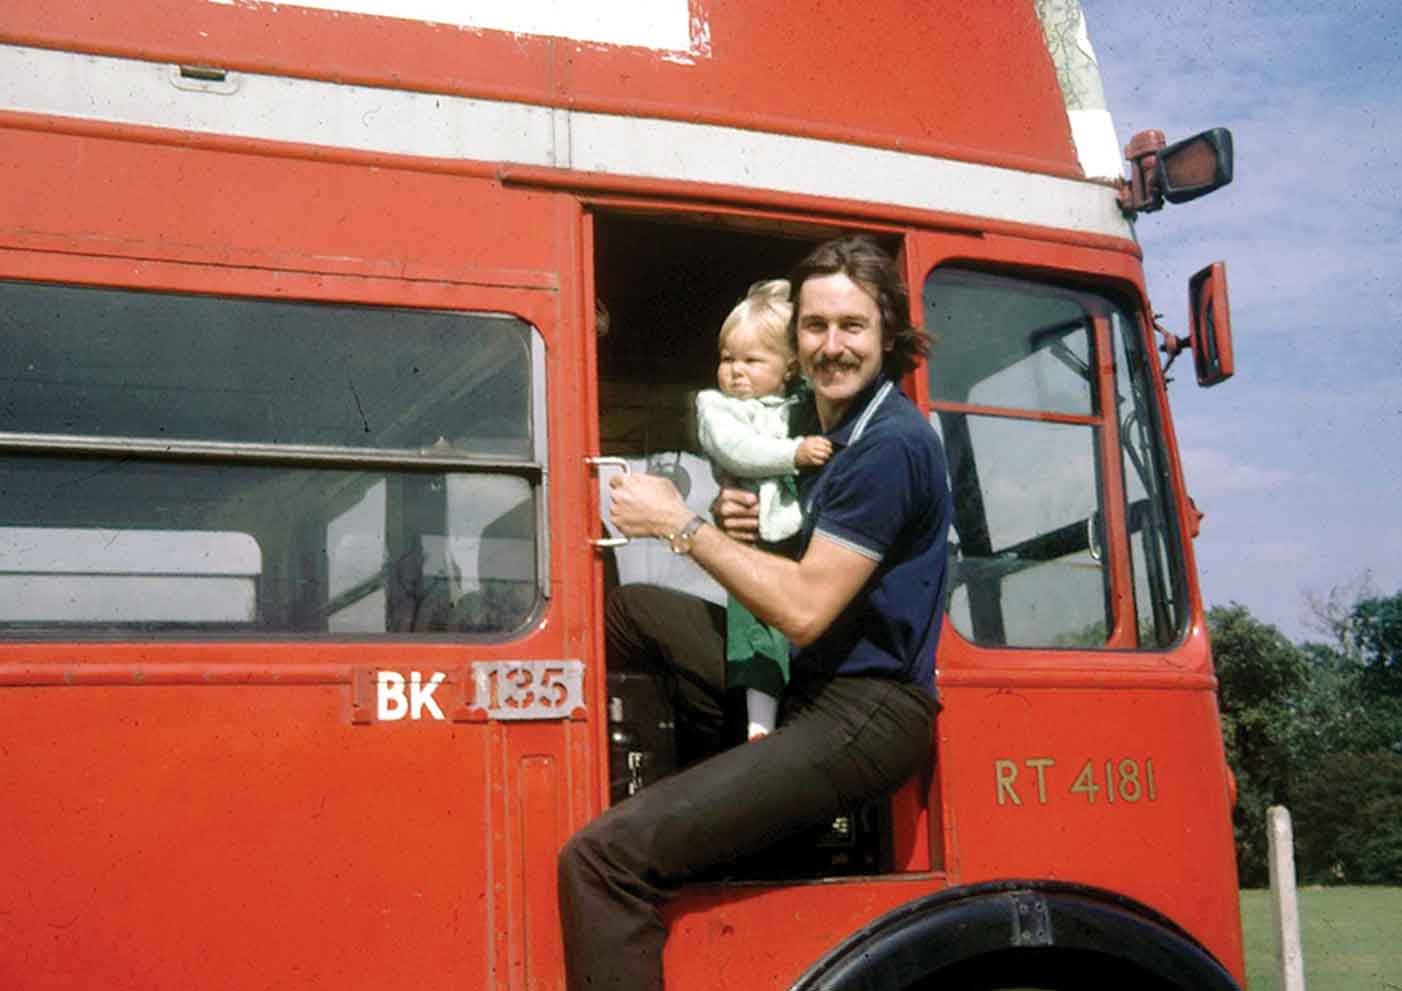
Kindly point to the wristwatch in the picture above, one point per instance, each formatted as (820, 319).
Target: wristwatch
(680, 540)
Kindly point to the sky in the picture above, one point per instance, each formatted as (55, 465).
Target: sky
(1297, 460)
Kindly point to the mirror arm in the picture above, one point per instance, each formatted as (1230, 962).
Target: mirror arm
(1171, 345)
(1141, 192)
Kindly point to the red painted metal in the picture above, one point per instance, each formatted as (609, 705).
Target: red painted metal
(1046, 416)
(1071, 707)
(225, 814)
(770, 66)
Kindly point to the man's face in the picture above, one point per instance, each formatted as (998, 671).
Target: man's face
(839, 342)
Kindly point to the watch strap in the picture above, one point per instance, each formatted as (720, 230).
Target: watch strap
(680, 540)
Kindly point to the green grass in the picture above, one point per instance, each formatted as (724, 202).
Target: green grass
(1352, 939)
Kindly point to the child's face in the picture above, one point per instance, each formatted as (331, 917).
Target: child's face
(750, 366)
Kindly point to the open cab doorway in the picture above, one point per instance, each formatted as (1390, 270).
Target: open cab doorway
(664, 284)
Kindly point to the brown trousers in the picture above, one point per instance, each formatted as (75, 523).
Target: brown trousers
(840, 741)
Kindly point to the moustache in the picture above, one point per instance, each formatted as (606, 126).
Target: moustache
(822, 364)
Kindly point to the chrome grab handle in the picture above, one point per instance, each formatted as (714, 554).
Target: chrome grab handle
(622, 465)
(1092, 547)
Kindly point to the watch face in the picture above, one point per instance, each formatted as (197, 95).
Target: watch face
(680, 541)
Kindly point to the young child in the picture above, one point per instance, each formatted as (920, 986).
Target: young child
(744, 429)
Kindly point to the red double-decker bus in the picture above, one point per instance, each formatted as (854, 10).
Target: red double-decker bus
(323, 324)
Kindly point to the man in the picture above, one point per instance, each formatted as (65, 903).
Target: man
(862, 605)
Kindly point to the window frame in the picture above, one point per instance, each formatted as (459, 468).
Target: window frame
(1114, 278)
(531, 308)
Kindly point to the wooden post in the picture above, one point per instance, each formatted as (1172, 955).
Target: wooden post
(1285, 909)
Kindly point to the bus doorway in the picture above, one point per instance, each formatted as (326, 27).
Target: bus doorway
(664, 285)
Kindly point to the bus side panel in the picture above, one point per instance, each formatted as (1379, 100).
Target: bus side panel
(238, 837)
(1122, 788)
(767, 66)
(220, 825)
(251, 207)
(765, 937)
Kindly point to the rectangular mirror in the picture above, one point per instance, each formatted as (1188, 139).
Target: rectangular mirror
(1196, 166)
(1211, 322)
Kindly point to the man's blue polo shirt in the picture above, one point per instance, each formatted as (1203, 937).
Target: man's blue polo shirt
(884, 494)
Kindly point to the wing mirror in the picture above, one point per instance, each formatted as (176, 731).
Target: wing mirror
(1210, 324)
(1176, 172)
(1209, 327)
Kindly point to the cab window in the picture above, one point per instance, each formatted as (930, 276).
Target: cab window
(1027, 413)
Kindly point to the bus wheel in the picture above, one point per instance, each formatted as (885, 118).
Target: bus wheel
(1045, 969)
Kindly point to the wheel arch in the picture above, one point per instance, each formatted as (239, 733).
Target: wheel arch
(1004, 923)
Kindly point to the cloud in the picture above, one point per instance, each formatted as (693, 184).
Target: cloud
(1302, 414)
(1272, 570)
(1218, 472)
(1309, 94)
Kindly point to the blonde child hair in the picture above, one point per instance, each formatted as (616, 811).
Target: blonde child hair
(767, 308)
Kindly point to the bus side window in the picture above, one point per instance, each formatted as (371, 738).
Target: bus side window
(184, 462)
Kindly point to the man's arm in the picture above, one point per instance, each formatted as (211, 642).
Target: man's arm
(799, 598)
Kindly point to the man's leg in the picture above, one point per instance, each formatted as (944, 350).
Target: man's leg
(845, 742)
(680, 639)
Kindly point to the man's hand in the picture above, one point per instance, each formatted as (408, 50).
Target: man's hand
(812, 452)
(646, 506)
(736, 513)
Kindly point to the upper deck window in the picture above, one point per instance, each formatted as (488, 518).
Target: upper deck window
(180, 461)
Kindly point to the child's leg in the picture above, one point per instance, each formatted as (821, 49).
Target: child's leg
(757, 659)
(760, 710)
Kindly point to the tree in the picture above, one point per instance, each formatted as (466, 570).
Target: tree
(1377, 636)
(1361, 624)
(1348, 815)
(1261, 679)
(1340, 710)
(1332, 614)
(1318, 728)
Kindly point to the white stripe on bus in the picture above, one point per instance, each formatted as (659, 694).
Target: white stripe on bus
(664, 25)
(371, 119)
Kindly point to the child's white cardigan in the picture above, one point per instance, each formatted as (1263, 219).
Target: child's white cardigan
(749, 439)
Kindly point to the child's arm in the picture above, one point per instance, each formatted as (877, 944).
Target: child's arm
(734, 444)
(812, 451)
